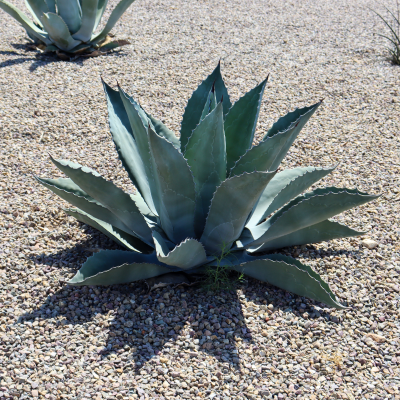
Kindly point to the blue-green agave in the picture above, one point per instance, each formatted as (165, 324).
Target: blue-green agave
(208, 198)
(69, 25)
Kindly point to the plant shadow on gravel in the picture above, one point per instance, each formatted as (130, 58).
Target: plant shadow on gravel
(41, 59)
(141, 324)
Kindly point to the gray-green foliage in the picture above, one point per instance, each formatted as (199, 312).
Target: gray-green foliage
(207, 200)
(68, 25)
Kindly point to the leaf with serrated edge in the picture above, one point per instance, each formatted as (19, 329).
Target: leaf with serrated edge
(176, 189)
(285, 186)
(111, 267)
(230, 208)
(163, 131)
(293, 121)
(261, 156)
(188, 254)
(89, 14)
(241, 122)
(206, 156)
(307, 210)
(195, 105)
(70, 12)
(126, 145)
(321, 232)
(115, 234)
(106, 193)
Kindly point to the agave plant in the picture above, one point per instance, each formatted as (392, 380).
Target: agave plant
(69, 25)
(208, 199)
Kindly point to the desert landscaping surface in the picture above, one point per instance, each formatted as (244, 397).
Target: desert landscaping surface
(255, 341)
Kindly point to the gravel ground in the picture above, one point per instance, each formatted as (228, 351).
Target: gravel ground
(255, 342)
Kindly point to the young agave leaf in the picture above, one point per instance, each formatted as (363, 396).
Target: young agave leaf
(196, 103)
(320, 232)
(230, 208)
(188, 254)
(70, 11)
(101, 7)
(261, 156)
(285, 186)
(293, 121)
(110, 267)
(175, 187)
(122, 238)
(89, 14)
(289, 274)
(116, 14)
(307, 210)
(106, 193)
(58, 31)
(30, 27)
(127, 147)
(211, 103)
(206, 155)
(37, 8)
(241, 122)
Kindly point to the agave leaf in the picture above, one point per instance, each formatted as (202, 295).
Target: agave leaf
(51, 4)
(285, 272)
(127, 147)
(285, 186)
(89, 14)
(196, 103)
(205, 154)
(30, 27)
(115, 234)
(176, 189)
(139, 124)
(306, 210)
(188, 254)
(70, 11)
(294, 121)
(110, 267)
(320, 232)
(261, 156)
(211, 103)
(58, 31)
(241, 122)
(163, 131)
(116, 14)
(101, 7)
(106, 193)
(230, 208)
(37, 8)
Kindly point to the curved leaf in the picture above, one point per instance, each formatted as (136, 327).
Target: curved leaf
(293, 121)
(241, 122)
(20, 17)
(106, 193)
(205, 154)
(188, 254)
(196, 103)
(115, 234)
(58, 31)
(52, 5)
(37, 9)
(70, 11)
(126, 145)
(176, 189)
(110, 267)
(288, 274)
(89, 14)
(101, 7)
(116, 14)
(306, 210)
(320, 232)
(285, 186)
(230, 208)
(211, 103)
(261, 156)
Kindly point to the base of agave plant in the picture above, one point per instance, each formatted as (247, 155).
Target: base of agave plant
(107, 45)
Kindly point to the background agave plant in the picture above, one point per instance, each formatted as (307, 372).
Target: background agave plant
(207, 199)
(69, 25)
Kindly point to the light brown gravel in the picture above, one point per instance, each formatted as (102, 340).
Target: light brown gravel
(59, 342)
